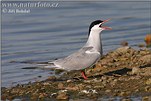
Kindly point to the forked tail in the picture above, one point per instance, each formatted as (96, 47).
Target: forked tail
(38, 65)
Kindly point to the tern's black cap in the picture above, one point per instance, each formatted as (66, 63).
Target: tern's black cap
(93, 24)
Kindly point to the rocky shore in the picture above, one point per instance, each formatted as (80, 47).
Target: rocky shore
(124, 74)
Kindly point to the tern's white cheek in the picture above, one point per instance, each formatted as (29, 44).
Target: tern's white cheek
(97, 28)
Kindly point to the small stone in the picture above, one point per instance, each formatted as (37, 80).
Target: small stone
(141, 45)
(115, 80)
(135, 70)
(104, 82)
(126, 99)
(122, 50)
(146, 59)
(137, 90)
(62, 96)
(60, 86)
(147, 88)
(34, 98)
(89, 86)
(113, 83)
(50, 78)
(108, 91)
(93, 91)
(148, 82)
(81, 86)
(41, 96)
(46, 84)
(109, 79)
(122, 94)
(69, 81)
(84, 91)
(124, 43)
(145, 98)
(53, 94)
(104, 78)
(73, 88)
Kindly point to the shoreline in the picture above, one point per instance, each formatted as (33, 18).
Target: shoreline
(124, 73)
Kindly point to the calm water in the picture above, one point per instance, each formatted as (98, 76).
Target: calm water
(47, 33)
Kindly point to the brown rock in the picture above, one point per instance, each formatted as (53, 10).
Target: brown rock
(122, 93)
(69, 81)
(126, 99)
(34, 96)
(146, 71)
(50, 78)
(146, 59)
(60, 86)
(41, 96)
(148, 82)
(146, 98)
(73, 88)
(62, 96)
(108, 91)
(141, 45)
(121, 50)
(81, 86)
(147, 88)
(124, 43)
(135, 70)
(98, 67)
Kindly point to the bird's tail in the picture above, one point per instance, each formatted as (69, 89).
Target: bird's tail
(40, 65)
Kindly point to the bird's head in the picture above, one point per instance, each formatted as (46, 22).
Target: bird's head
(97, 26)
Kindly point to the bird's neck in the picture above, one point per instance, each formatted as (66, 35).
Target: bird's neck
(94, 40)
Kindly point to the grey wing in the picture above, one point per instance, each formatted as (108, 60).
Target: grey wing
(79, 60)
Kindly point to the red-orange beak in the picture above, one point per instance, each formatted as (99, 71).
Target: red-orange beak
(105, 27)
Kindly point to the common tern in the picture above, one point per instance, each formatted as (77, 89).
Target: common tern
(85, 57)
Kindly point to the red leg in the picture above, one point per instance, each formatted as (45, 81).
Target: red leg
(83, 75)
